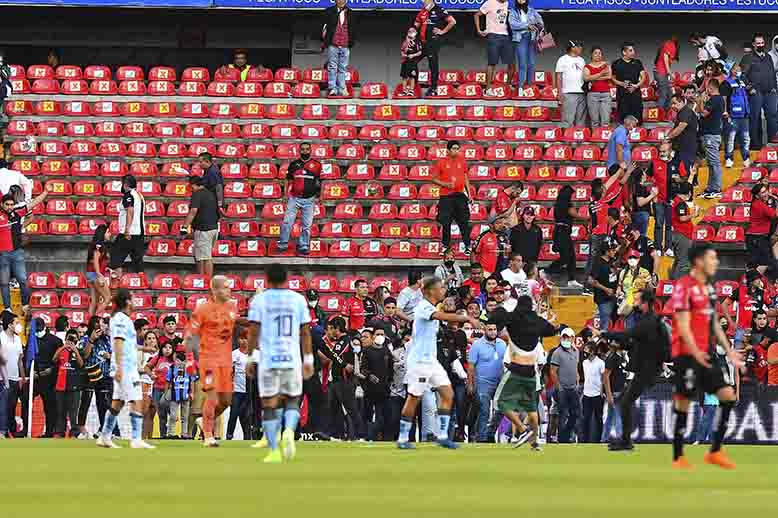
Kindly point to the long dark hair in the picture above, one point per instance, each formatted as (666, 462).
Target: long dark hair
(93, 324)
(98, 239)
(522, 7)
(562, 204)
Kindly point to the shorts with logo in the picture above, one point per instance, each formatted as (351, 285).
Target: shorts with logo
(285, 382)
(128, 389)
(204, 241)
(499, 48)
(216, 378)
(424, 376)
(691, 378)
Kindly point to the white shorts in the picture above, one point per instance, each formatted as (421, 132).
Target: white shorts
(281, 382)
(423, 376)
(128, 390)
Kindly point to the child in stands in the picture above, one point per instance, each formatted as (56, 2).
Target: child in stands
(97, 274)
(411, 55)
(179, 384)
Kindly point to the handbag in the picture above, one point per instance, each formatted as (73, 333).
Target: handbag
(544, 40)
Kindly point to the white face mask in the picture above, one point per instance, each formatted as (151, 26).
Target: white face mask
(18, 329)
(313, 303)
(632, 262)
(567, 344)
(379, 340)
(468, 332)
(357, 349)
(40, 334)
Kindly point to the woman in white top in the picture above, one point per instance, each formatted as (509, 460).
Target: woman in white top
(240, 401)
(592, 402)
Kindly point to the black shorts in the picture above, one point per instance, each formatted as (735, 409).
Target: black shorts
(409, 70)
(691, 378)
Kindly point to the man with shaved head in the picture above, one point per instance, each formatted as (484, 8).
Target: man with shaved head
(209, 336)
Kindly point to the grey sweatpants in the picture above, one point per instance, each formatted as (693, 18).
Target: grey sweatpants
(599, 104)
(175, 408)
(681, 246)
(573, 110)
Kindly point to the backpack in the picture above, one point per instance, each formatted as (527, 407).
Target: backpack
(738, 101)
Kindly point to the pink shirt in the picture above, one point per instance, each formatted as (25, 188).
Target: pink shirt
(496, 16)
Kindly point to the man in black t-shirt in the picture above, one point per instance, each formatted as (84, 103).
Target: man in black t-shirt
(629, 75)
(684, 133)
(433, 22)
(711, 126)
(204, 219)
(614, 380)
(603, 280)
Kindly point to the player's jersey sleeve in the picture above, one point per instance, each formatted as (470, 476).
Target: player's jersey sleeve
(302, 310)
(681, 299)
(255, 310)
(120, 328)
(425, 311)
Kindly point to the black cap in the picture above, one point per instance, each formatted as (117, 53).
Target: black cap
(311, 294)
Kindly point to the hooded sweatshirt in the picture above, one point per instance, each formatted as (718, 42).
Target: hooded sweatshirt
(774, 55)
(759, 71)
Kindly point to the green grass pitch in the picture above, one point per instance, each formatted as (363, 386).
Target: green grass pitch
(76, 479)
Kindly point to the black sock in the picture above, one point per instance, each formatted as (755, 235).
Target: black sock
(721, 421)
(680, 430)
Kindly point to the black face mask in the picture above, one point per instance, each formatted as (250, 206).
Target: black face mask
(759, 48)
(724, 327)
(448, 264)
(305, 156)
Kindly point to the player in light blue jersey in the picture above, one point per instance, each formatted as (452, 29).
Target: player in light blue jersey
(278, 320)
(126, 377)
(423, 370)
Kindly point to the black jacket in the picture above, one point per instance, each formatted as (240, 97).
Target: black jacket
(526, 241)
(648, 344)
(526, 328)
(331, 22)
(341, 355)
(759, 72)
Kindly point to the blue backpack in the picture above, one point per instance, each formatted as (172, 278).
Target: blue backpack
(738, 101)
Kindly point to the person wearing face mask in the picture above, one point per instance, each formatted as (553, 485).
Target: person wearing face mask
(15, 377)
(450, 272)
(592, 401)
(318, 316)
(376, 363)
(750, 299)
(45, 372)
(69, 360)
(738, 110)
(304, 186)
(632, 280)
(341, 392)
(484, 371)
(492, 247)
(565, 377)
(759, 71)
(603, 279)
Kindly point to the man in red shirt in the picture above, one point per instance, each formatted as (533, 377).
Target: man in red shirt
(304, 177)
(683, 230)
(337, 39)
(360, 308)
(474, 282)
(492, 248)
(695, 335)
(450, 174)
(506, 205)
(668, 53)
(758, 231)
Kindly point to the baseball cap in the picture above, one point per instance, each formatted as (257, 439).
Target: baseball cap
(633, 253)
(568, 332)
(574, 43)
(311, 294)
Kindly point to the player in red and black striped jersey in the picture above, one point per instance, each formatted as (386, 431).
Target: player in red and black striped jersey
(696, 332)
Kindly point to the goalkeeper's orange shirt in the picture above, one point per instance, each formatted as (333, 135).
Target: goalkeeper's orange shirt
(214, 324)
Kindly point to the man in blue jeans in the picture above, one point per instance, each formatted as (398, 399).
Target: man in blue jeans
(337, 40)
(759, 72)
(614, 380)
(304, 176)
(603, 280)
(564, 375)
(711, 125)
(483, 375)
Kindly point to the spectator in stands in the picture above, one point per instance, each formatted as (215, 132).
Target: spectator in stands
(498, 40)
(53, 59)
(433, 22)
(564, 214)
(410, 296)
(569, 79)
(708, 47)
(380, 293)
(203, 217)
(304, 175)
(504, 296)
(648, 257)
(239, 63)
(683, 230)
(525, 23)
(663, 71)
(338, 39)
(14, 372)
(46, 372)
(565, 379)
(360, 308)
(389, 320)
(643, 195)
(619, 147)
(487, 291)
(738, 110)
(132, 223)
(377, 368)
(450, 173)
(97, 270)
(684, 133)
(629, 76)
(604, 197)
(61, 324)
(338, 349)
(604, 280)
(598, 98)
(450, 272)
(527, 237)
(95, 348)
(492, 247)
(760, 73)
(484, 370)
(158, 368)
(514, 273)
(69, 361)
(474, 281)
(12, 255)
(240, 400)
(411, 52)
(711, 126)
(506, 205)
(614, 378)
(592, 401)
(397, 386)
(772, 365)
(212, 178)
(666, 170)
(168, 330)
(633, 279)
(758, 230)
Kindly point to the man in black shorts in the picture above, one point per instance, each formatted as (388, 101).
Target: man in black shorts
(130, 240)
(696, 331)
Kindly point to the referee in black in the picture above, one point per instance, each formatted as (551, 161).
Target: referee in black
(648, 344)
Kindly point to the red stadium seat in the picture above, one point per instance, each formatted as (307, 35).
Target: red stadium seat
(541, 173)
(506, 114)
(343, 249)
(387, 113)
(360, 172)
(234, 171)
(736, 195)
(369, 191)
(244, 229)
(263, 171)
(403, 250)
(537, 113)
(421, 112)
(643, 153)
(267, 191)
(469, 91)
(364, 230)
(44, 299)
(289, 75)
(161, 248)
(45, 86)
(451, 77)
(132, 87)
(313, 112)
(450, 113)
(726, 288)
(570, 173)
(586, 153)
(548, 134)
(164, 109)
(430, 250)
(482, 133)
(22, 107)
(230, 150)
(72, 87)
(413, 211)
(730, 234)
(653, 114)
(704, 233)
(141, 150)
(412, 152)
(41, 280)
(251, 248)
(103, 87)
(161, 88)
(335, 229)
(237, 190)
(373, 250)
(24, 128)
(336, 131)
(350, 112)
(195, 282)
(348, 211)
(528, 93)
(194, 110)
(373, 132)
(718, 214)
(394, 230)
(754, 174)
(279, 111)
(393, 172)
(527, 152)
(259, 150)
(383, 152)
(558, 152)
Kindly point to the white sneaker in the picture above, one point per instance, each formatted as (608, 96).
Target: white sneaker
(140, 444)
(659, 253)
(211, 443)
(729, 163)
(106, 442)
(199, 424)
(82, 436)
(669, 253)
(747, 162)
(575, 284)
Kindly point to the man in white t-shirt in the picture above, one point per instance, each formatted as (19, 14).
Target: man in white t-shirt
(13, 376)
(130, 240)
(568, 80)
(514, 273)
(592, 401)
(708, 47)
(499, 46)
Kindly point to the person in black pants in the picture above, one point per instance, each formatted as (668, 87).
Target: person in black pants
(648, 344)
(95, 349)
(46, 373)
(564, 213)
(450, 174)
(376, 367)
(69, 361)
(433, 22)
(339, 350)
(628, 76)
(130, 241)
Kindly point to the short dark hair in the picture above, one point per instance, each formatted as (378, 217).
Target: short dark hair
(696, 36)
(452, 143)
(305, 144)
(71, 334)
(755, 190)
(130, 180)
(491, 299)
(169, 318)
(338, 323)
(648, 296)
(715, 83)
(626, 45)
(140, 323)
(758, 35)
(61, 324)
(679, 97)
(390, 300)
(7, 319)
(698, 250)
(276, 274)
(358, 282)
(613, 213)
(8, 197)
(529, 266)
(478, 266)
(121, 300)
(414, 276)
(205, 156)
(758, 312)
(684, 188)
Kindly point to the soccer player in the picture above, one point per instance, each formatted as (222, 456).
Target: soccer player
(696, 330)
(278, 326)
(126, 377)
(423, 370)
(209, 336)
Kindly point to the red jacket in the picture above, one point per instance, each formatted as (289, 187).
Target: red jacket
(761, 216)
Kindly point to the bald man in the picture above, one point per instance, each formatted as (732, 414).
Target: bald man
(209, 335)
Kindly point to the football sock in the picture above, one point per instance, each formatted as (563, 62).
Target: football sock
(136, 422)
(109, 422)
(720, 422)
(209, 416)
(291, 418)
(270, 424)
(405, 429)
(680, 430)
(444, 417)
